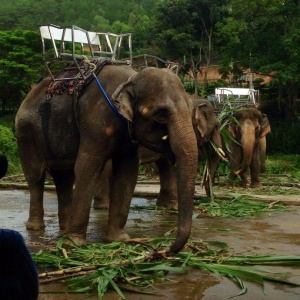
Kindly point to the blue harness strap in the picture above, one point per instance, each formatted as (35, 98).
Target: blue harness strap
(109, 101)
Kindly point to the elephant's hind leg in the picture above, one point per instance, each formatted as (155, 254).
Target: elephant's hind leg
(64, 181)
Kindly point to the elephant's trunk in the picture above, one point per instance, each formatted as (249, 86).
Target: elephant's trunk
(213, 159)
(247, 142)
(184, 146)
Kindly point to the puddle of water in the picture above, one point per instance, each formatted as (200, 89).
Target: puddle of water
(275, 234)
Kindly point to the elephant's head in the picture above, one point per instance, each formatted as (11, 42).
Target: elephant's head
(206, 124)
(207, 129)
(156, 105)
(251, 127)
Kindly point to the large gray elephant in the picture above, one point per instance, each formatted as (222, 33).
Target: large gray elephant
(74, 143)
(207, 129)
(248, 153)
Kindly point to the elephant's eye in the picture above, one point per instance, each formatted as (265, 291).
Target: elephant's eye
(160, 115)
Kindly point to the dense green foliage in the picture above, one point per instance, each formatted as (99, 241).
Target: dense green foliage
(263, 35)
(234, 34)
(20, 65)
(284, 138)
(8, 147)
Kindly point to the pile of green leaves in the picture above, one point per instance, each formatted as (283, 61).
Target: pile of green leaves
(139, 263)
(238, 206)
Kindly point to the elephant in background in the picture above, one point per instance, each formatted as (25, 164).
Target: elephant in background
(207, 130)
(263, 145)
(249, 153)
(74, 142)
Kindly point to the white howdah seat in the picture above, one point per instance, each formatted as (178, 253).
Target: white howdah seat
(234, 97)
(72, 44)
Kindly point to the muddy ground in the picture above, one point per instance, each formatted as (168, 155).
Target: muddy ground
(275, 233)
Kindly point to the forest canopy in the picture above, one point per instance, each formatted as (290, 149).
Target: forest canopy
(234, 34)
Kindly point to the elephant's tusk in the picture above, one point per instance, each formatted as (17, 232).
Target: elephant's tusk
(221, 151)
(165, 137)
(221, 154)
(237, 172)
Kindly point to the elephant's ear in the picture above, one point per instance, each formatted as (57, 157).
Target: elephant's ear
(231, 129)
(201, 118)
(265, 126)
(121, 98)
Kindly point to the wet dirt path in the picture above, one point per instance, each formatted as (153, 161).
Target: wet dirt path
(276, 233)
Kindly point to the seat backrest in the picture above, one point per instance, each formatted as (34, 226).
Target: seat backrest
(238, 94)
(71, 34)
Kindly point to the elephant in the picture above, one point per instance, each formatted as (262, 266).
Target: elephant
(207, 129)
(248, 152)
(74, 141)
(263, 144)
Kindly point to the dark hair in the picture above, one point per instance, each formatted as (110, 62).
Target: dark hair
(18, 274)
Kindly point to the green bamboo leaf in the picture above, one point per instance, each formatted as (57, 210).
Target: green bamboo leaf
(130, 262)
(164, 267)
(116, 288)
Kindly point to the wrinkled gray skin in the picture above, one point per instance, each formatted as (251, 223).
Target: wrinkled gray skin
(263, 145)
(207, 129)
(250, 154)
(154, 102)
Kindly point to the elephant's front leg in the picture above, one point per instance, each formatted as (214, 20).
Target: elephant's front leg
(124, 178)
(255, 167)
(168, 185)
(64, 181)
(235, 162)
(213, 162)
(101, 196)
(87, 169)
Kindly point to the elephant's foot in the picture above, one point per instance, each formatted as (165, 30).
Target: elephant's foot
(63, 220)
(255, 184)
(101, 203)
(245, 183)
(169, 202)
(263, 168)
(63, 225)
(35, 224)
(113, 236)
(234, 180)
(77, 239)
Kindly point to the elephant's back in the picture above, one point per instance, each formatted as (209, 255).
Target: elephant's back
(50, 122)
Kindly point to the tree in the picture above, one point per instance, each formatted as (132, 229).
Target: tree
(265, 35)
(186, 29)
(20, 65)
(28, 14)
(141, 27)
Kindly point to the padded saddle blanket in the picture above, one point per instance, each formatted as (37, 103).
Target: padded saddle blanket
(70, 86)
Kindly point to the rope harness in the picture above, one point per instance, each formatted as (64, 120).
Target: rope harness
(92, 67)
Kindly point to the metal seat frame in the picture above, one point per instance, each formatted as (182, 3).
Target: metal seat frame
(72, 44)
